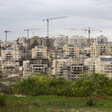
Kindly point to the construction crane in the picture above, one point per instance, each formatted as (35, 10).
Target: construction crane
(27, 30)
(89, 32)
(6, 31)
(48, 23)
(56, 62)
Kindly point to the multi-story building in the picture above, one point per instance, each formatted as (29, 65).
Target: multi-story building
(35, 65)
(36, 39)
(22, 41)
(104, 65)
(60, 41)
(82, 41)
(49, 43)
(71, 51)
(10, 59)
(101, 40)
(100, 49)
(26, 54)
(76, 71)
(10, 53)
(58, 65)
(77, 40)
(90, 63)
(39, 52)
(67, 68)
(56, 53)
(87, 51)
(26, 68)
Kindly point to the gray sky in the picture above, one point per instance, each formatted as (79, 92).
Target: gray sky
(17, 15)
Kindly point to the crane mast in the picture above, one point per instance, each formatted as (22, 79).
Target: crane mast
(48, 23)
(89, 33)
(6, 31)
(27, 30)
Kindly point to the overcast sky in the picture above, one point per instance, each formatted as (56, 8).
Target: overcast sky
(17, 15)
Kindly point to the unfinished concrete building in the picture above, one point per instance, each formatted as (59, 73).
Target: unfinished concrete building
(33, 66)
(76, 71)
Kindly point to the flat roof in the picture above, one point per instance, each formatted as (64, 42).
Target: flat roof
(106, 58)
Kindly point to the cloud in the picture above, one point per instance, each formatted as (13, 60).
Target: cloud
(19, 14)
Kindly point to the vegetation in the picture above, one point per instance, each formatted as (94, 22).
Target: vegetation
(95, 84)
(56, 104)
(43, 93)
(41, 84)
(2, 100)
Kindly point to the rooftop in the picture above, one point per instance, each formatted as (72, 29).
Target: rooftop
(106, 58)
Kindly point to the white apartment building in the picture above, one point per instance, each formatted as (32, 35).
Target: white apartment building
(60, 41)
(101, 40)
(58, 53)
(10, 59)
(100, 49)
(39, 52)
(26, 68)
(87, 51)
(77, 40)
(104, 65)
(90, 63)
(23, 41)
(70, 50)
(11, 54)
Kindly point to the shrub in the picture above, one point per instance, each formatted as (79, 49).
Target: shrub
(37, 85)
(25, 86)
(90, 102)
(2, 100)
(94, 84)
(5, 89)
(60, 86)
